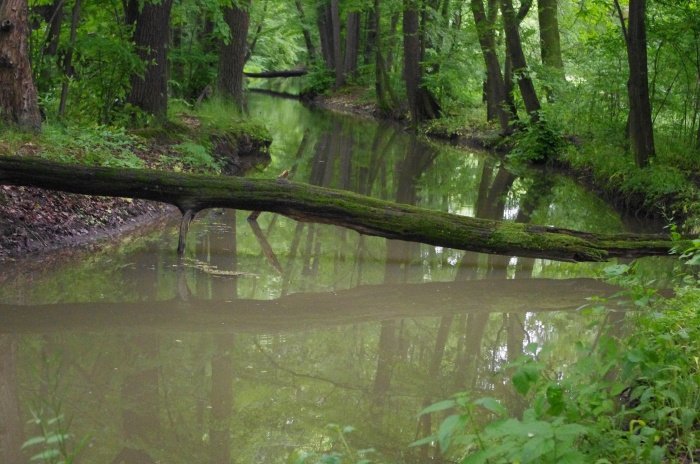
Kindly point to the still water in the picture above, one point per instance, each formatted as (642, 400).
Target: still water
(269, 338)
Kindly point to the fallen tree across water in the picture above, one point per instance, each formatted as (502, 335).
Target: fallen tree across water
(192, 193)
(307, 311)
(270, 74)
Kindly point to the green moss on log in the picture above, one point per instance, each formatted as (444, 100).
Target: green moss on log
(303, 202)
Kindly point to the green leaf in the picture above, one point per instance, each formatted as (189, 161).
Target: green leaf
(439, 406)
(447, 429)
(525, 377)
(33, 441)
(46, 455)
(423, 441)
(492, 405)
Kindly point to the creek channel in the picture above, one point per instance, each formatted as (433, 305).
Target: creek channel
(276, 337)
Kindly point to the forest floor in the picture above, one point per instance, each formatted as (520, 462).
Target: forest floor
(37, 221)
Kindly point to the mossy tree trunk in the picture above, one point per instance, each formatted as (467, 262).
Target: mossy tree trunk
(370, 216)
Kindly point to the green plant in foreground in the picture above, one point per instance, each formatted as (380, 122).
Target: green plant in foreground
(340, 452)
(629, 399)
(52, 444)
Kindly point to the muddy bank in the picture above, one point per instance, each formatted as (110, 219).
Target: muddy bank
(39, 221)
(35, 221)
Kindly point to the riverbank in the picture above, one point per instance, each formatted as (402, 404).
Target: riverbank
(660, 192)
(39, 221)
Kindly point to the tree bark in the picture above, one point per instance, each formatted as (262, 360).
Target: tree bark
(337, 50)
(352, 43)
(151, 35)
(550, 43)
(325, 32)
(310, 49)
(421, 102)
(232, 54)
(497, 107)
(18, 96)
(515, 51)
(370, 216)
(641, 131)
(68, 71)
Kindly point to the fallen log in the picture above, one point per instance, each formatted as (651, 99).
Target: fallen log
(270, 74)
(192, 193)
(307, 311)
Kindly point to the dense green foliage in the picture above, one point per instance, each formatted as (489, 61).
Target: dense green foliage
(632, 396)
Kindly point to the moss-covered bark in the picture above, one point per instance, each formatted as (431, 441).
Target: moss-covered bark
(316, 204)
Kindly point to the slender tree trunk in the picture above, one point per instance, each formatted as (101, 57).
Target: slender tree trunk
(495, 86)
(337, 51)
(68, 71)
(352, 43)
(151, 35)
(550, 44)
(641, 130)
(310, 49)
(325, 32)
(18, 96)
(515, 49)
(421, 102)
(232, 54)
(55, 22)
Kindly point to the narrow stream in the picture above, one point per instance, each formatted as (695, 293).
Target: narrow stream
(272, 331)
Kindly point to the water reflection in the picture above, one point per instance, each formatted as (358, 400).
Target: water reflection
(268, 331)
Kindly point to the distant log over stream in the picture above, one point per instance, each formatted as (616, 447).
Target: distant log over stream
(271, 74)
(192, 193)
(306, 311)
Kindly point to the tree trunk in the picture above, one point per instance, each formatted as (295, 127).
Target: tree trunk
(421, 102)
(352, 43)
(325, 32)
(495, 86)
(68, 71)
(192, 193)
(151, 35)
(18, 96)
(550, 44)
(641, 130)
(310, 49)
(337, 50)
(515, 51)
(232, 54)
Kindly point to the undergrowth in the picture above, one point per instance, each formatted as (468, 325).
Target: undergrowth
(634, 398)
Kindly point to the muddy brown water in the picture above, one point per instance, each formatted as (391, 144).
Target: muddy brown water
(269, 338)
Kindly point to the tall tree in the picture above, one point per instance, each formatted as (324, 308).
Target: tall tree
(18, 97)
(421, 102)
(352, 43)
(151, 21)
(494, 86)
(517, 56)
(233, 52)
(641, 131)
(550, 43)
